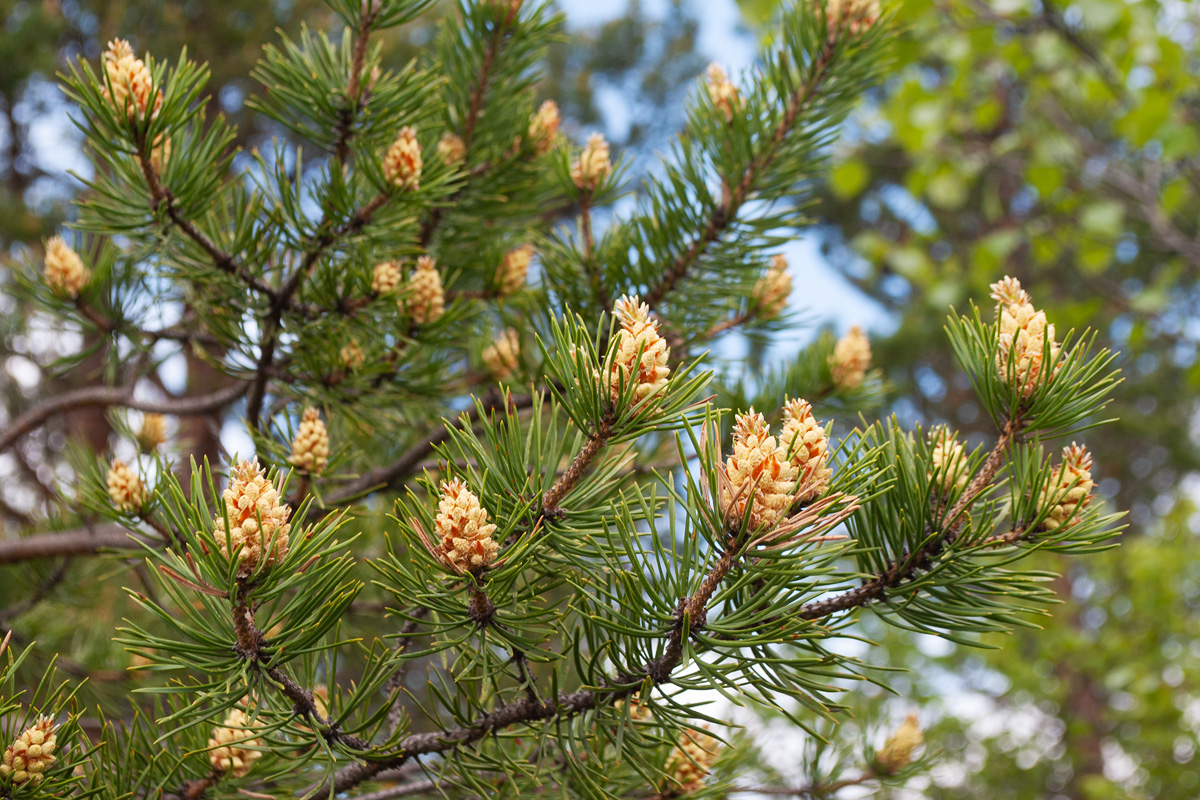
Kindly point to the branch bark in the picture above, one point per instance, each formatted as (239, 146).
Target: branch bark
(574, 472)
(75, 542)
(105, 396)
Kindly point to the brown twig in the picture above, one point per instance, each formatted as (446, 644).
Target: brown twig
(194, 790)
(1008, 539)
(370, 11)
(474, 108)
(727, 324)
(162, 197)
(253, 647)
(285, 300)
(579, 465)
(595, 270)
(403, 790)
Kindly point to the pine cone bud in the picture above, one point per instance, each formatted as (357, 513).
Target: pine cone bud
(514, 270)
(352, 355)
(543, 127)
(851, 358)
(125, 488)
(1026, 338)
(855, 15)
(722, 92)
(771, 293)
(26, 760)
(232, 759)
(807, 445)
(464, 533)
(897, 752)
(402, 162)
(1070, 489)
(1008, 292)
(152, 433)
(64, 272)
(310, 448)
(385, 277)
(501, 356)
(948, 459)
(129, 83)
(451, 149)
(593, 164)
(638, 332)
(690, 762)
(259, 528)
(759, 473)
(426, 300)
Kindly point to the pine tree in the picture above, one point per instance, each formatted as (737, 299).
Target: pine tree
(507, 434)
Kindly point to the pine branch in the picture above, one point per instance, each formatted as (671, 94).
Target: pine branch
(691, 615)
(728, 324)
(1008, 539)
(284, 301)
(396, 679)
(262, 371)
(725, 213)
(481, 85)
(253, 647)
(403, 790)
(162, 197)
(475, 107)
(174, 333)
(899, 573)
(594, 268)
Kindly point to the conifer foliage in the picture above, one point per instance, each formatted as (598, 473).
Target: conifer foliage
(591, 527)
